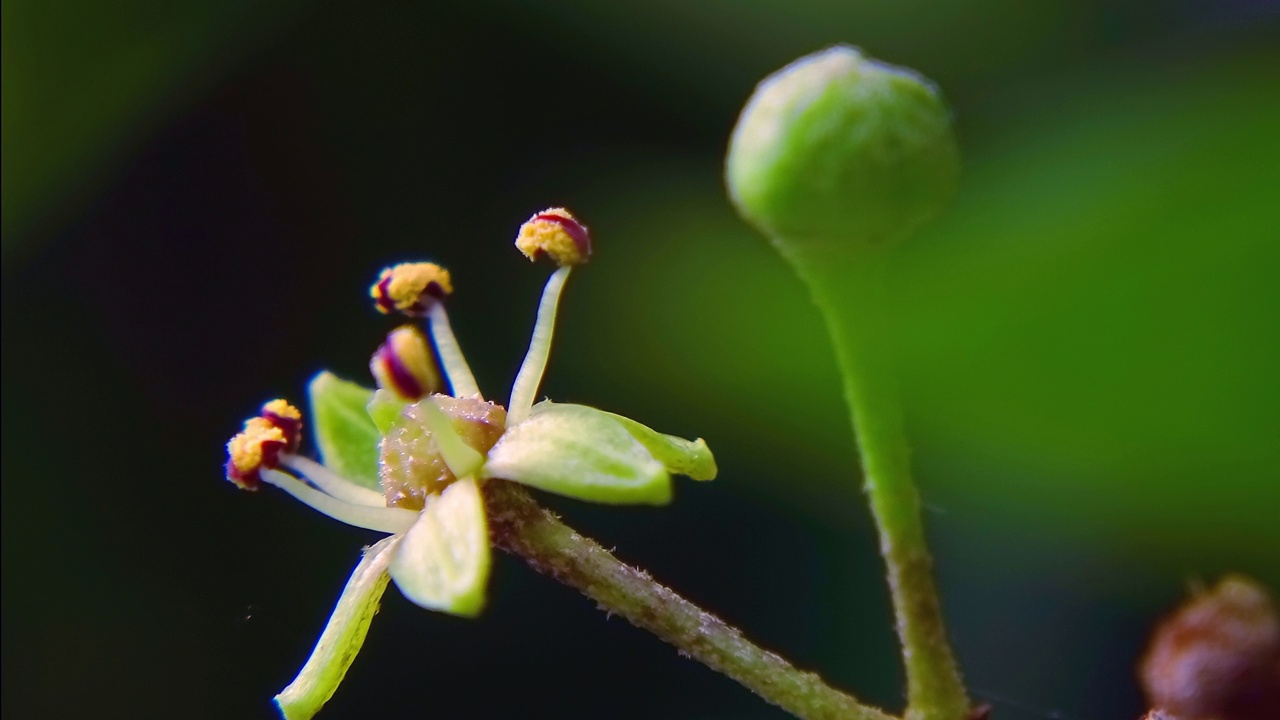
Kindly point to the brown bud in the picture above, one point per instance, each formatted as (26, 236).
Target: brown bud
(1217, 657)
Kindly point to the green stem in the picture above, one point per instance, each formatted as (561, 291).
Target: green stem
(852, 297)
(521, 527)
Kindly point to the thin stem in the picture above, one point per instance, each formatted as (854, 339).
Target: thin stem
(461, 382)
(852, 297)
(521, 527)
(525, 388)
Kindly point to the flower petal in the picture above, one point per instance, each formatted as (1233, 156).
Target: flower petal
(342, 637)
(443, 561)
(580, 452)
(345, 434)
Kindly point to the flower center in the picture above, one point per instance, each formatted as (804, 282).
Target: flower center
(412, 466)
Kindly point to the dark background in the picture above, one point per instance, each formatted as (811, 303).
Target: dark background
(197, 195)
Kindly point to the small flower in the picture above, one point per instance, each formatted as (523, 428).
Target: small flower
(409, 460)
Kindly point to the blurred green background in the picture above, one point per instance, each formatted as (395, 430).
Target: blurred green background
(196, 196)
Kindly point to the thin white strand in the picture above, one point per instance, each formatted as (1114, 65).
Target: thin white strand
(525, 388)
(333, 483)
(456, 369)
(383, 519)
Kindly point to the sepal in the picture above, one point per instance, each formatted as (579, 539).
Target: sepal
(443, 560)
(344, 432)
(579, 452)
(342, 637)
(691, 458)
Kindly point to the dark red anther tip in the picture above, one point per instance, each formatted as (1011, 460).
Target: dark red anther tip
(382, 297)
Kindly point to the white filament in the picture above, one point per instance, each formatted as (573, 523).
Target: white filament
(456, 369)
(333, 483)
(529, 378)
(383, 519)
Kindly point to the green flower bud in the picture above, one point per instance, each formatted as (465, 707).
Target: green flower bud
(837, 147)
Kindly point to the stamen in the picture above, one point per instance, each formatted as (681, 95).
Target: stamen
(332, 483)
(556, 233)
(411, 288)
(461, 458)
(405, 365)
(382, 519)
(456, 369)
(253, 449)
(286, 417)
(529, 378)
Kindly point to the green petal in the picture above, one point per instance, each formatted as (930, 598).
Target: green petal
(344, 432)
(683, 457)
(580, 452)
(443, 561)
(342, 637)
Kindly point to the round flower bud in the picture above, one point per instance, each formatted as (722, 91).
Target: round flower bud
(837, 147)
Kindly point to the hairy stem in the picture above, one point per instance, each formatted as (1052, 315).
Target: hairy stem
(521, 527)
(852, 297)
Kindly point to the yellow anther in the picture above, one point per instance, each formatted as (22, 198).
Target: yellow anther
(405, 365)
(255, 447)
(282, 409)
(286, 417)
(556, 233)
(410, 288)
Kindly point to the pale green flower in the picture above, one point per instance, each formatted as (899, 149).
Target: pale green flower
(410, 461)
